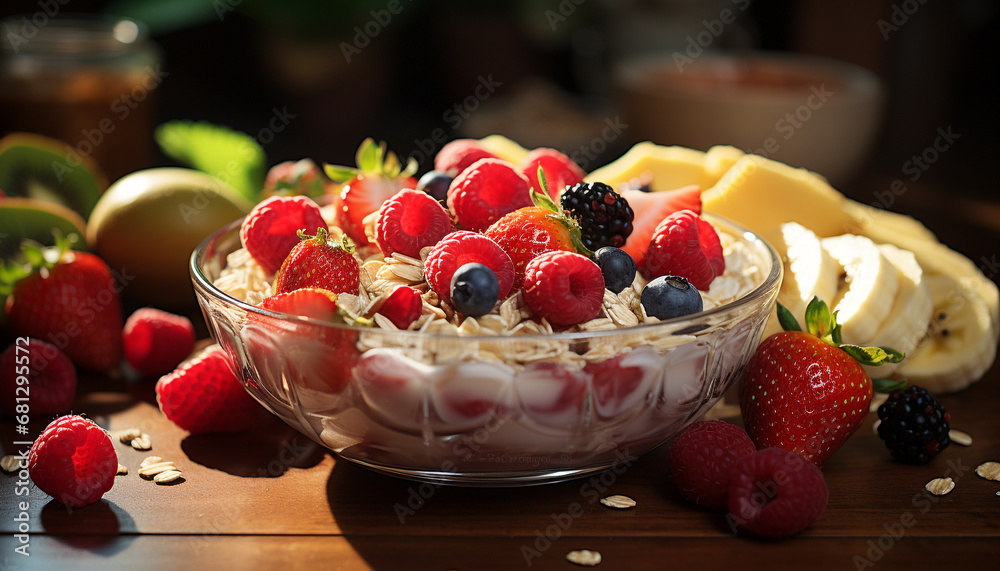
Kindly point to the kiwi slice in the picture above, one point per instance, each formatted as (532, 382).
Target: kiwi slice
(32, 166)
(22, 218)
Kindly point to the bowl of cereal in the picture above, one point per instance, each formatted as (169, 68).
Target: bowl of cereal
(502, 399)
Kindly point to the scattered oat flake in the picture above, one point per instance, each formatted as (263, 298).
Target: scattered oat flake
(142, 442)
(167, 477)
(584, 557)
(618, 502)
(989, 471)
(10, 463)
(150, 460)
(122, 470)
(959, 437)
(158, 468)
(129, 434)
(940, 486)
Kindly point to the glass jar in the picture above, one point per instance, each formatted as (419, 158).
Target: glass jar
(86, 80)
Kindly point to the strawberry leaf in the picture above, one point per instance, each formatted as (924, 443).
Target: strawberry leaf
(230, 155)
(787, 320)
(873, 356)
(369, 156)
(543, 201)
(887, 386)
(338, 174)
(819, 321)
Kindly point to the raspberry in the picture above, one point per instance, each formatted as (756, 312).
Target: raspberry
(485, 191)
(564, 287)
(269, 232)
(204, 396)
(156, 341)
(559, 170)
(685, 245)
(702, 458)
(50, 376)
(459, 154)
(460, 248)
(409, 221)
(403, 306)
(775, 493)
(73, 460)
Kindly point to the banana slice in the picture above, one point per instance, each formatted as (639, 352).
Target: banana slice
(911, 312)
(871, 285)
(959, 347)
(809, 270)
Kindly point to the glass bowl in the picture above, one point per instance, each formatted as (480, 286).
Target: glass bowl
(487, 410)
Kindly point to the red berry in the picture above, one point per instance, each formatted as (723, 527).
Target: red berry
(73, 460)
(564, 287)
(614, 387)
(294, 177)
(485, 191)
(650, 208)
(460, 248)
(156, 341)
(776, 493)
(409, 221)
(318, 262)
(403, 306)
(528, 232)
(47, 377)
(685, 245)
(560, 171)
(73, 304)
(204, 396)
(703, 456)
(459, 154)
(270, 231)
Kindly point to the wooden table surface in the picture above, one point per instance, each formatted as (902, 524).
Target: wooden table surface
(273, 499)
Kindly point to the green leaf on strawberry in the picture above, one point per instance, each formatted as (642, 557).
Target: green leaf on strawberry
(542, 200)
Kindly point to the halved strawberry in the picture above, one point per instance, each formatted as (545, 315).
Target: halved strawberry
(650, 209)
(378, 176)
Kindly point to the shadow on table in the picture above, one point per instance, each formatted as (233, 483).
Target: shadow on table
(96, 527)
(267, 451)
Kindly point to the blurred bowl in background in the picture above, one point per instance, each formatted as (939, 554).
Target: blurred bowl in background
(811, 112)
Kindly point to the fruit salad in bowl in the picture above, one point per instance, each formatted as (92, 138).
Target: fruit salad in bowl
(494, 323)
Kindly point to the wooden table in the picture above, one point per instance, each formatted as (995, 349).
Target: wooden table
(273, 499)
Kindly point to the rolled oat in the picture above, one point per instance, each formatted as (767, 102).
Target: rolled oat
(584, 557)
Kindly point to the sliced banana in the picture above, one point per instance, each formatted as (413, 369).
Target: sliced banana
(870, 287)
(959, 347)
(809, 270)
(911, 312)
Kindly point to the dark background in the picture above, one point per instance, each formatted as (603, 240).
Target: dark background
(236, 61)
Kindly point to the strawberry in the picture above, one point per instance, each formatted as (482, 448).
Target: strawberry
(807, 392)
(291, 178)
(318, 356)
(69, 299)
(650, 209)
(36, 378)
(378, 176)
(205, 396)
(528, 232)
(317, 262)
(560, 171)
(402, 307)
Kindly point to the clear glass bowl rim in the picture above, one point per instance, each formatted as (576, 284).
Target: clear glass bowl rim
(202, 283)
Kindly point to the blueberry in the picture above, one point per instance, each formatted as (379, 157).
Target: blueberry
(435, 183)
(474, 289)
(670, 296)
(617, 266)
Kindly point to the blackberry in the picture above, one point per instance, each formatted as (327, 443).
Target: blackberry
(914, 425)
(605, 218)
